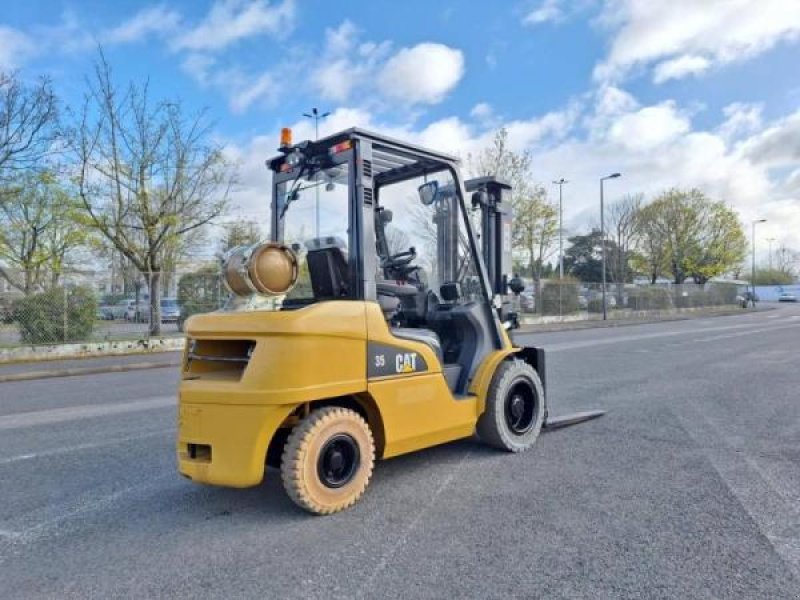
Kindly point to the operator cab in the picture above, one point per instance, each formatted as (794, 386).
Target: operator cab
(374, 219)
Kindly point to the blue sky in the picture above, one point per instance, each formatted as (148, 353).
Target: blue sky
(678, 93)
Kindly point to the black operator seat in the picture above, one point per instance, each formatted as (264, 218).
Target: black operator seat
(419, 334)
(405, 297)
(327, 268)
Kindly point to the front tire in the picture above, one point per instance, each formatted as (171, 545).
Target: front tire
(328, 460)
(514, 413)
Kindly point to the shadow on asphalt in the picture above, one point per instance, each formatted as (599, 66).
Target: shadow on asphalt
(269, 502)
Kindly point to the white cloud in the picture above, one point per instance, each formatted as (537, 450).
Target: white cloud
(15, 46)
(263, 88)
(648, 127)
(229, 21)
(482, 111)
(740, 119)
(777, 145)
(678, 68)
(742, 160)
(151, 20)
(423, 74)
(66, 36)
(345, 63)
(242, 89)
(547, 11)
(679, 35)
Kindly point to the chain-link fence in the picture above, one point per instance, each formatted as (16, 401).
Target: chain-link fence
(75, 313)
(561, 300)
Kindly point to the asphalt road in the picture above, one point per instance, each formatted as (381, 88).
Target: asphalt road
(688, 488)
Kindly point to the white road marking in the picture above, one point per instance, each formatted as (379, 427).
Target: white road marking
(68, 449)
(365, 590)
(41, 529)
(775, 514)
(741, 333)
(74, 413)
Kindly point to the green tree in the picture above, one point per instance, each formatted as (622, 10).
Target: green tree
(534, 230)
(57, 315)
(583, 258)
(687, 234)
(38, 231)
(772, 277)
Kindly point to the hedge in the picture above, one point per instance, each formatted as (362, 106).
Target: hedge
(42, 317)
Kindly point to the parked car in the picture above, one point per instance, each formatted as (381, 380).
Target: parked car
(132, 309)
(787, 297)
(104, 313)
(527, 300)
(119, 310)
(170, 311)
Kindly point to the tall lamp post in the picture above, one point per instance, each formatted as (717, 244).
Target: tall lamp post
(603, 238)
(317, 117)
(753, 267)
(560, 183)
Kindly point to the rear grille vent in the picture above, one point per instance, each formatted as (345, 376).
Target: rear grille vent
(367, 195)
(366, 168)
(217, 359)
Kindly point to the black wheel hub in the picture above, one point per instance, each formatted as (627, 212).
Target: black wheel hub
(338, 461)
(520, 408)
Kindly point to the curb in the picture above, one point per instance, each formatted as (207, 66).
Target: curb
(27, 354)
(85, 371)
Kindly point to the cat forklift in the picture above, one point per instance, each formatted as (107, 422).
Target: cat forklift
(374, 322)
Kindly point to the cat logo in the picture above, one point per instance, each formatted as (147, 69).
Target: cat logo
(406, 362)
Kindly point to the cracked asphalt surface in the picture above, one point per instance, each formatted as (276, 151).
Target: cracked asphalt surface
(688, 488)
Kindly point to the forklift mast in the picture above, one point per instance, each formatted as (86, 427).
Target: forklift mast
(493, 197)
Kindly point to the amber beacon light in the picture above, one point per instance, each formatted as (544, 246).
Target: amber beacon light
(286, 137)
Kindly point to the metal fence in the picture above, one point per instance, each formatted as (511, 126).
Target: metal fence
(556, 300)
(77, 314)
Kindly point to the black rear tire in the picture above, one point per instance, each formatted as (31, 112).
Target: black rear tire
(514, 413)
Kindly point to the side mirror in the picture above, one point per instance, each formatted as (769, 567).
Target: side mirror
(428, 192)
(386, 216)
(516, 285)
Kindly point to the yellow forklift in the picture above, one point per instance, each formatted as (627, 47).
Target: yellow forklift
(373, 323)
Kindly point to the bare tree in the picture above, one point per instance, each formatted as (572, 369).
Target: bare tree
(787, 260)
(147, 174)
(397, 240)
(239, 233)
(28, 123)
(622, 227)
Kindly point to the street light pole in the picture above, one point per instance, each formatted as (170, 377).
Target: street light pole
(603, 239)
(560, 183)
(317, 117)
(753, 267)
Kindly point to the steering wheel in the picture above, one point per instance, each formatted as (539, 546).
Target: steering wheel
(399, 260)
